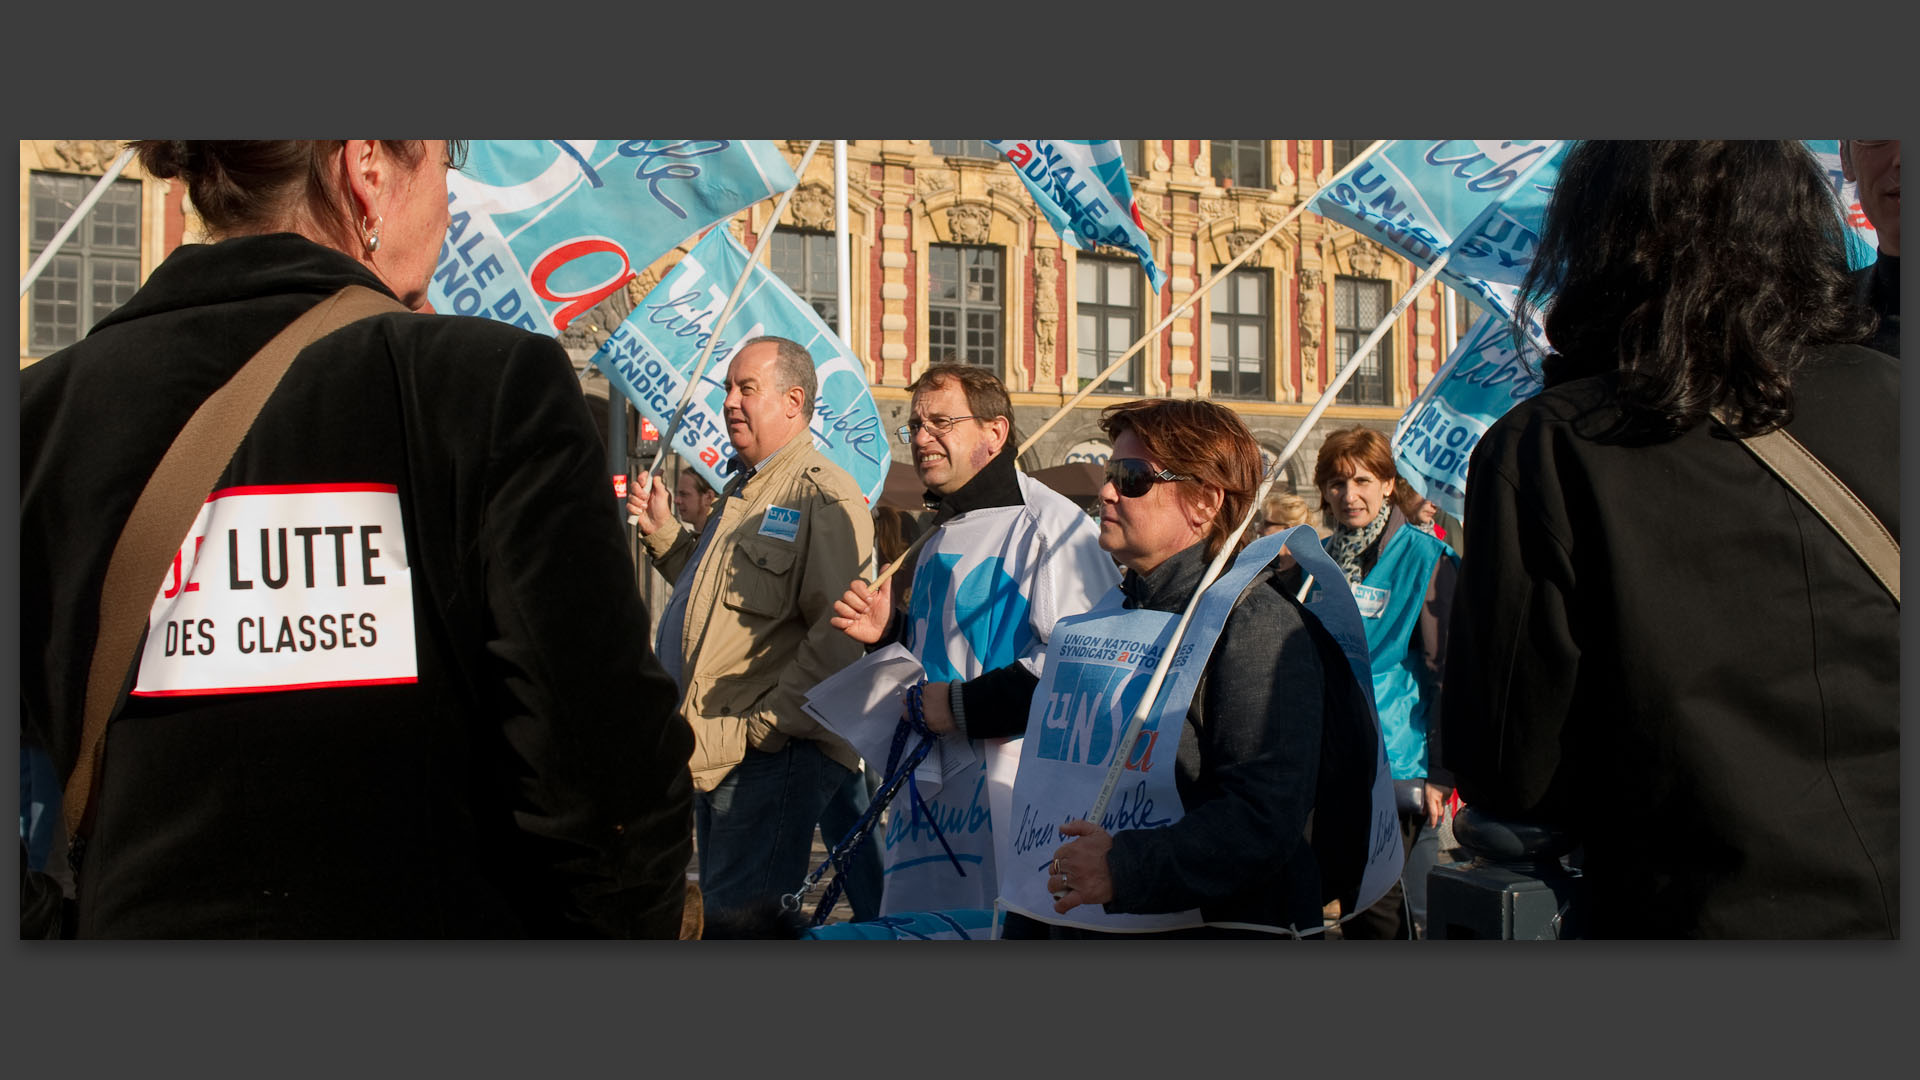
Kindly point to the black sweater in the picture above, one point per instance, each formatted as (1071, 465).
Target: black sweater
(1277, 752)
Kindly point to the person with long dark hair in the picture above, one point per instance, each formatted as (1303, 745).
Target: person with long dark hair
(1659, 645)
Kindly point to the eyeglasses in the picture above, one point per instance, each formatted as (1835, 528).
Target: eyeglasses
(1132, 478)
(939, 425)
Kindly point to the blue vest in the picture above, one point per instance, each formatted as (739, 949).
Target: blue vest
(1390, 598)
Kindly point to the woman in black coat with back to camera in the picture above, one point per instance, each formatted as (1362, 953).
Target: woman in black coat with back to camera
(402, 704)
(1658, 643)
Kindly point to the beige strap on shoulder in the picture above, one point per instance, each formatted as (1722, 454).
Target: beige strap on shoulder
(164, 513)
(1836, 503)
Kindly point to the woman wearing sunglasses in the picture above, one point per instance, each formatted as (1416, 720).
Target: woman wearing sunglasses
(1275, 731)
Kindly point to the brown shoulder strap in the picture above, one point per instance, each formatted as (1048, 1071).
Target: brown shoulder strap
(165, 511)
(1836, 503)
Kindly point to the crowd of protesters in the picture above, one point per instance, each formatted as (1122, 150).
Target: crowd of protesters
(1657, 645)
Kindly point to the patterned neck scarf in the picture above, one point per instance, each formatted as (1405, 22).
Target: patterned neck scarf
(1346, 545)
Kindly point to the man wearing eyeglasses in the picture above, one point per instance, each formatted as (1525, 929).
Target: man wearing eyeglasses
(1007, 557)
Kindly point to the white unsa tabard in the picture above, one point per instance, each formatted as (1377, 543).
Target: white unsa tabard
(987, 591)
(1097, 669)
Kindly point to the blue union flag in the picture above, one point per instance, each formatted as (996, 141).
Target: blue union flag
(1479, 201)
(544, 229)
(1081, 186)
(651, 355)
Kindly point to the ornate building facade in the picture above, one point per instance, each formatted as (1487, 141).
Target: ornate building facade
(950, 258)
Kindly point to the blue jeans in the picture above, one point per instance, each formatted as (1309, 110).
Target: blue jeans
(755, 829)
(836, 821)
(39, 803)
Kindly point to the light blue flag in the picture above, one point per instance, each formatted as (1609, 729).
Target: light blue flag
(1480, 200)
(1081, 186)
(651, 355)
(1421, 197)
(544, 229)
(1863, 243)
(1483, 378)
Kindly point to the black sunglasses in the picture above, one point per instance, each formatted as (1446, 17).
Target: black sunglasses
(1132, 477)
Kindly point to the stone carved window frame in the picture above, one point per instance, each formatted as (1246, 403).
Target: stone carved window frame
(803, 215)
(812, 242)
(1217, 248)
(1141, 306)
(90, 158)
(89, 306)
(1154, 358)
(1349, 254)
(944, 184)
(1270, 295)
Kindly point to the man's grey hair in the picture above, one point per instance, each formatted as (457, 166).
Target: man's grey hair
(793, 366)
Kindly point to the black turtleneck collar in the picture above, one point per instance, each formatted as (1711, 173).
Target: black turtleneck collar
(1170, 585)
(243, 268)
(996, 484)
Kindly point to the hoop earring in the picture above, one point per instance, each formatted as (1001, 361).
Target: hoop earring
(372, 232)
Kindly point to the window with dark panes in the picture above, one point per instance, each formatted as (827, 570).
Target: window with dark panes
(1358, 306)
(1239, 323)
(1239, 162)
(1466, 312)
(1133, 155)
(966, 148)
(1107, 307)
(1345, 150)
(804, 260)
(94, 272)
(964, 303)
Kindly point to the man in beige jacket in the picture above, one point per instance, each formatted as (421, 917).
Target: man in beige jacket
(746, 633)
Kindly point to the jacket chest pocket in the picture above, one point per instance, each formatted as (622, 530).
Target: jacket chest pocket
(760, 578)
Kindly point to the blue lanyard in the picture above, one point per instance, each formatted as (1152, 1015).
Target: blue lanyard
(914, 722)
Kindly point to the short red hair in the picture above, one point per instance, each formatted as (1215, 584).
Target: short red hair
(1350, 447)
(1200, 439)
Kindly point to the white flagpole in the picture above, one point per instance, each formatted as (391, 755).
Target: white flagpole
(726, 312)
(842, 252)
(1123, 749)
(73, 222)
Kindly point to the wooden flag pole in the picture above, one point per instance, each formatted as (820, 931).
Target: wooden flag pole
(726, 312)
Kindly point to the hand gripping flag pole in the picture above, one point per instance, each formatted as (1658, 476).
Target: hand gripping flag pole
(726, 312)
